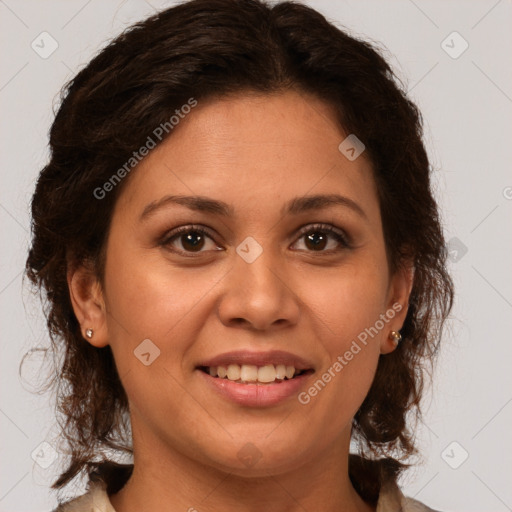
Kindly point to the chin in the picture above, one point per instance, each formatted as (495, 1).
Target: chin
(248, 458)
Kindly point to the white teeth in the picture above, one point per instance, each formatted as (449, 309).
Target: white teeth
(248, 373)
(252, 373)
(280, 371)
(233, 372)
(267, 373)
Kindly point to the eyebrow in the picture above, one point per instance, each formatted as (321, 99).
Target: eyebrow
(296, 206)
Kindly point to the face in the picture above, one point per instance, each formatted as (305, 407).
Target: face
(252, 279)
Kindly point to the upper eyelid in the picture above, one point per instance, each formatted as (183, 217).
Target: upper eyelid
(319, 226)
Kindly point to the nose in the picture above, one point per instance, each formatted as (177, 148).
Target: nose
(259, 295)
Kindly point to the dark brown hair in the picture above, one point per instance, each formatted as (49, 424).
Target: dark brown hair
(205, 49)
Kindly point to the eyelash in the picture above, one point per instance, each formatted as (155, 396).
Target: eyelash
(337, 234)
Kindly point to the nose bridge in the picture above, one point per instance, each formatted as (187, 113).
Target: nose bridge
(262, 277)
(258, 291)
(260, 271)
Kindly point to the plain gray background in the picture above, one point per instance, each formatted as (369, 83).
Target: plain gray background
(466, 101)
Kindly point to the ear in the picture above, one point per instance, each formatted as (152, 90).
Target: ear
(88, 304)
(397, 304)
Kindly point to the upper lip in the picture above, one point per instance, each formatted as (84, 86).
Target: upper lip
(242, 357)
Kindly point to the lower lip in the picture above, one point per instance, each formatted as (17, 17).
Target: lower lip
(256, 395)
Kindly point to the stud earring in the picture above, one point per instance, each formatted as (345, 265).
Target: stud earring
(397, 337)
(89, 333)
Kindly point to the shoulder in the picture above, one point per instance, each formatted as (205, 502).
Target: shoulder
(391, 499)
(375, 481)
(94, 500)
(413, 505)
(107, 478)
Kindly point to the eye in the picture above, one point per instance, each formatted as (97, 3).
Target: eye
(191, 238)
(317, 236)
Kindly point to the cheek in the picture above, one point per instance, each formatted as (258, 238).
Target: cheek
(348, 300)
(150, 298)
(346, 310)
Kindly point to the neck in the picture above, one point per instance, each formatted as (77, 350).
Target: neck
(173, 481)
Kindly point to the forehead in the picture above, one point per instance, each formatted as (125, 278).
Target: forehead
(252, 151)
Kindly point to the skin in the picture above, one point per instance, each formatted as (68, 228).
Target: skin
(255, 153)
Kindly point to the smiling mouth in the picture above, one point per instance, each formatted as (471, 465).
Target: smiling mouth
(252, 374)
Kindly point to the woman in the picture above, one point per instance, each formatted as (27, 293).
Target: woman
(244, 266)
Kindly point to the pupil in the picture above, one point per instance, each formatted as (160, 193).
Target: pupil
(189, 239)
(318, 241)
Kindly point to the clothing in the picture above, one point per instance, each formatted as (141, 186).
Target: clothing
(96, 499)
